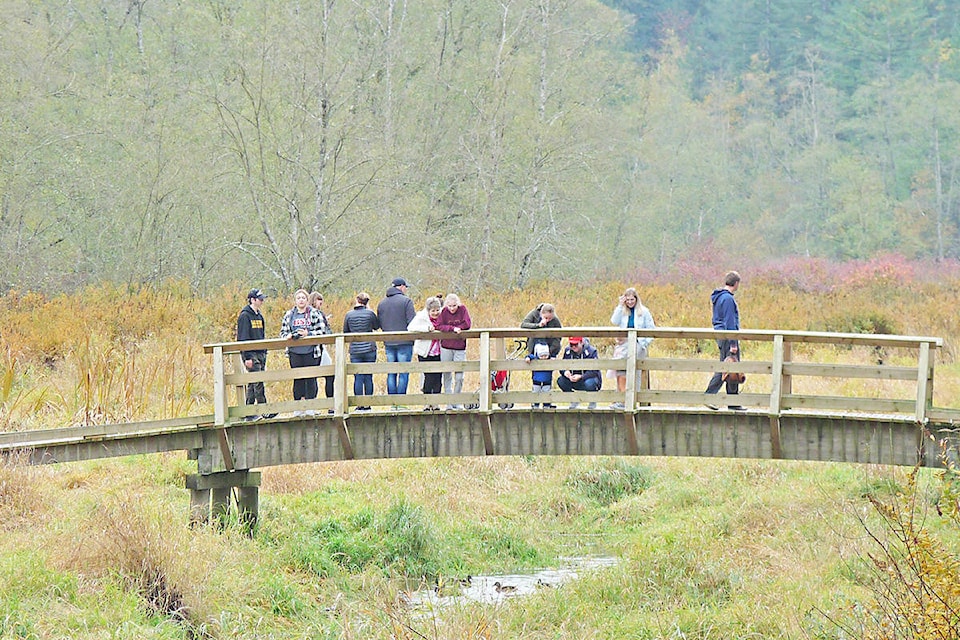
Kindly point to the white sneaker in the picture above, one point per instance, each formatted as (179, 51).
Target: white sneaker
(592, 405)
(574, 405)
(617, 405)
(297, 414)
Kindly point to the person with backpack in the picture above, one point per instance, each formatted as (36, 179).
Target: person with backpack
(544, 316)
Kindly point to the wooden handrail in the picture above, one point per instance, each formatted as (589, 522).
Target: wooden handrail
(812, 337)
(491, 342)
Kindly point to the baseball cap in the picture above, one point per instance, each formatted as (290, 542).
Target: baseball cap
(399, 282)
(256, 293)
(575, 339)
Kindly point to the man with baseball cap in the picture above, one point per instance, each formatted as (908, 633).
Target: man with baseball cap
(579, 379)
(250, 326)
(395, 313)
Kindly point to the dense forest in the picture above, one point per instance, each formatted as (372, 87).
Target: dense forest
(469, 144)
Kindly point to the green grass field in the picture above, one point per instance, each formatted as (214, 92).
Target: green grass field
(708, 549)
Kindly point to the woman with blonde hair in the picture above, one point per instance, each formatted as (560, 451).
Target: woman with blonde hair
(428, 350)
(630, 314)
(300, 322)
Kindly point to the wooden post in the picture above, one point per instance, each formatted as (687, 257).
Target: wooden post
(220, 504)
(248, 507)
(340, 392)
(241, 390)
(219, 388)
(630, 399)
(776, 396)
(485, 372)
(923, 380)
(199, 506)
(786, 384)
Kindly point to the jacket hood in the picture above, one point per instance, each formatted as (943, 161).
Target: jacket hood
(719, 292)
(393, 291)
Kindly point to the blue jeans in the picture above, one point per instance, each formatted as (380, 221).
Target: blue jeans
(588, 384)
(397, 382)
(363, 382)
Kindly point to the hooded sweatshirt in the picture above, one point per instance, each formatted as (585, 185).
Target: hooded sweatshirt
(726, 315)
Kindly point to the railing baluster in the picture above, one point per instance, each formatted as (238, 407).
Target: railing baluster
(340, 378)
(630, 399)
(923, 372)
(219, 388)
(485, 371)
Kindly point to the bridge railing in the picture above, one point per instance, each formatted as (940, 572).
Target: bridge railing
(902, 368)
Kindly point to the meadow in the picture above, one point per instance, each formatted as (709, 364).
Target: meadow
(707, 548)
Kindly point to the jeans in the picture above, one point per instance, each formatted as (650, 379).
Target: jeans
(255, 390)
(452, 381)
(584, 384)
(397, 382)
(363, 382)
(304, 388)
(717, 380)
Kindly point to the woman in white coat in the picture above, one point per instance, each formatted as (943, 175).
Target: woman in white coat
(631, 314)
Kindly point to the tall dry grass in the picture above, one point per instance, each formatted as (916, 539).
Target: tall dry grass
(114, 354)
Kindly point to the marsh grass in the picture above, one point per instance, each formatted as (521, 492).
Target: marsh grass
(708, 548)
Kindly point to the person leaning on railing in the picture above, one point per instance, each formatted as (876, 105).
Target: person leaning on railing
(544, 316)
(454, 318)
(428, 350)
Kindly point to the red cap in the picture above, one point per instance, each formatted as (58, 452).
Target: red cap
(575, 339)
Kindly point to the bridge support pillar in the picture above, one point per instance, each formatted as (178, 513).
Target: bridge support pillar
(212, 497)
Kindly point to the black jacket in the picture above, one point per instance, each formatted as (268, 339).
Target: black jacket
(250, 327)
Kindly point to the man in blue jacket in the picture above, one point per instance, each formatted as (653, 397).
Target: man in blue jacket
(726, 317)
(579, 379)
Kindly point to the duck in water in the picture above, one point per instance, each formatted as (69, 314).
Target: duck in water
(504, 588)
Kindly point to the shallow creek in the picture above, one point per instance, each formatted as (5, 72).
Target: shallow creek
(492, 589)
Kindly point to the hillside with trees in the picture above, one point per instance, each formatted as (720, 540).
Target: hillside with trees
(480, 144)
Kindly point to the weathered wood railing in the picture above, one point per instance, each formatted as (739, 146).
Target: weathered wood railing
(771, 386)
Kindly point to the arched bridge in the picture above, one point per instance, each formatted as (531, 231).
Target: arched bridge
(809, 396)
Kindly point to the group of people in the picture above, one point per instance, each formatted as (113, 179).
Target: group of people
(448, 315)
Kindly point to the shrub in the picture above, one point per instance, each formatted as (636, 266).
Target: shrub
(607, 485)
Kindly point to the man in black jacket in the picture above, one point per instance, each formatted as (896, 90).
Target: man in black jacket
(250, 327)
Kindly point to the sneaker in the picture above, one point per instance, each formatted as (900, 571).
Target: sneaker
(269, 416)
(363, 408)
(574, 405)
(549, 406)
(617, 405)
(251, 418)
(712, 407)
(592, 405)
(736, 407)
(535, 405)
(297, 414)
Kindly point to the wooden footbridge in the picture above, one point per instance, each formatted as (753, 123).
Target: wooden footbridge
(809, 396)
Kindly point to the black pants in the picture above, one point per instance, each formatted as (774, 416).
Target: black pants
(432, 382)
(717, 380)
(304, 388)
(255, 391)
